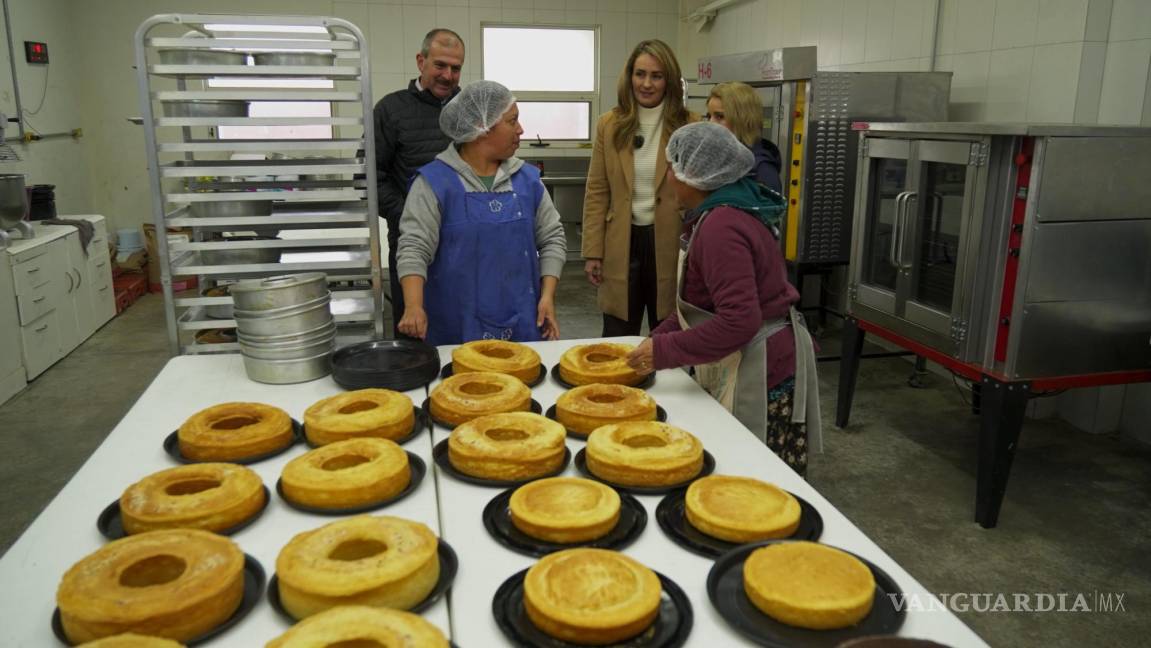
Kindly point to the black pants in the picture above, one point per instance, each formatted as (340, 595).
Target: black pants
(642, 286)
(395, 289)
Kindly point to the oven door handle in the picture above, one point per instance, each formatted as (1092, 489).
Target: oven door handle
(907, 200)
(896, 229)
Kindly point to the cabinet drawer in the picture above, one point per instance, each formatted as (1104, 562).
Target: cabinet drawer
(100, 271)
(41, 344)
(34, 303)
(36, 273)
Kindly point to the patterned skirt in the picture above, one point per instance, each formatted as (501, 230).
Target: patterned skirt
(786, 439)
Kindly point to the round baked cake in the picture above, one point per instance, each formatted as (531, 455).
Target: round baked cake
(359, 625)
(380, 413)
(378, 561)
(176, 583)
(463, 397)
(347, 474)
(208, 496)
(132, 640)
(234, 431)
(585, 408)
(643, 453)
(809, 585)
(565, 510)
(498, 356)
(507, 447)
(603, 362)
(740, 509)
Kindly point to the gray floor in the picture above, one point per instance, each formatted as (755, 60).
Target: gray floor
(1075, 519)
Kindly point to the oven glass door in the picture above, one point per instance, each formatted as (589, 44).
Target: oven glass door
(888, 186)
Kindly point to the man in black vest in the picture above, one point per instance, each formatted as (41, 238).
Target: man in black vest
(408, 136)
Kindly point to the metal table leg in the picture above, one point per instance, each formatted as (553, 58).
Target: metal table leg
(1001, 418)
(851, 351)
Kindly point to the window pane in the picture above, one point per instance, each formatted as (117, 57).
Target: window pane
(283, 109)
(542, 60)
(555, 120)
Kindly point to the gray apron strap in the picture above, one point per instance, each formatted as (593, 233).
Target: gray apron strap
(805, 402)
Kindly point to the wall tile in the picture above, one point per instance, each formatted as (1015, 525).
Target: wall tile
(1015, 23)
(389, 50)
(907, 32)
(640, 6)
(1098, 20)
(809, 19)
(476, 17)
(747, 36)
(549, 5)
(548, 16)
(518, 15)
(1124, 82)
(1052, 93)
(1130, 20)
(927, 29)
(969, 85)
(1008, 84)
(579, 17)
(766, 17)
(642, 26)
(880, 22)
(830, 34)
(792, 22)
(854, 33)
(974, 25)
(1061, 21)
(356, 13)
(517, 4)
(614, 46)
(668, 32)
(452, 3)
(947, 19)
(417, 21)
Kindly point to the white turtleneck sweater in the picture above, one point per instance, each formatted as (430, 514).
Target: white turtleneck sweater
(643, 192)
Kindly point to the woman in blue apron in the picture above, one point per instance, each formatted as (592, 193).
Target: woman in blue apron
(481, 244)
(735, 320)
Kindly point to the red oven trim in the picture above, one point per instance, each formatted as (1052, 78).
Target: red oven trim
(1014, 244)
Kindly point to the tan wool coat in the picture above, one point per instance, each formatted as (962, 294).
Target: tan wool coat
(607, 221)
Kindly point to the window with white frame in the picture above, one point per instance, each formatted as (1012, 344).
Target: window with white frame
(553, 72)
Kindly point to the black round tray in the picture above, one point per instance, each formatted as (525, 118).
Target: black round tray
(536, 408)
(708, 468)
(647, 382)
(172, 447)
(416, 465)
(660, 415)
(449, 565)
(111, 524)
(725, 589)
(498, 521)
(440, 455)
(447, 372)
(423, 422)
(671, 516)
(253, 590)
(670, 629)
(399, 365)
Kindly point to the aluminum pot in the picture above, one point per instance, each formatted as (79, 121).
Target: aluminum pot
(283, 372)
(13, 200)
(206, 108)
(279, 292)
(294, 58)
(242, 256)
(292, 353)
(303, 338)
(292, 320)
(231, 208)
(197, 56)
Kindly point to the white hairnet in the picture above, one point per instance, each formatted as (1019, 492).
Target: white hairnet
(475, 110)
(707, 156)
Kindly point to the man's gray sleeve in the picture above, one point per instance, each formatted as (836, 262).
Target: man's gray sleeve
(550, 240)
(420, 227)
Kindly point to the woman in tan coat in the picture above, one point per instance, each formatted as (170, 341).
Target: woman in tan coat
(631, 220)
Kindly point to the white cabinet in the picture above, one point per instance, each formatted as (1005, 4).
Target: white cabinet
(12, 378)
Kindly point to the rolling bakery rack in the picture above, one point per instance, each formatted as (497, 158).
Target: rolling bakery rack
(302, 205)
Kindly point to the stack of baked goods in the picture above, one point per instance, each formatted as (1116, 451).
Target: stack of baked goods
(378, 561)
(603, 362)
(174, 583)
(591, 596)
(809, 585)
(208, 496)
(347, 474)
(507, 447)
(740, 509)
(234, 432)
(643, 454)
(587, 407)
(564, 510)
(463, 397)
(358, 625)
(377, 413)
(499, 356)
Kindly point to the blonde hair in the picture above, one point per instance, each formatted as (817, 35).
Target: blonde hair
(742, 110)
(675, 114)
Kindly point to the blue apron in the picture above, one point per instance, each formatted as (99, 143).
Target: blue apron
(484, 282)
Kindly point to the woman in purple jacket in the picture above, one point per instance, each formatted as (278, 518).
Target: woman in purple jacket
(735, 321)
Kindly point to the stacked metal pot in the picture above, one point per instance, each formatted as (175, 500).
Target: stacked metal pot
(285, 328)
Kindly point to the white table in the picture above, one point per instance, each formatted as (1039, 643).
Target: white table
(66, 532)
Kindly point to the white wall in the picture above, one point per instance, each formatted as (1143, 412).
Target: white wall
(52, 161)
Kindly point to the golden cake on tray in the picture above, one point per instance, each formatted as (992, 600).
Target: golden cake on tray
(591, 596)
(644, 453)
(740, 509)
(208, 496)
(588, 407)
(234, 431)
(565, 509)
(359, 625)
(463, 397)
(347, 474)
(175, 583)
(507, 447)
(809, 585)
(379, 561)
(604, 362)
(380, 413)
(499, 356)
(132, 640)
